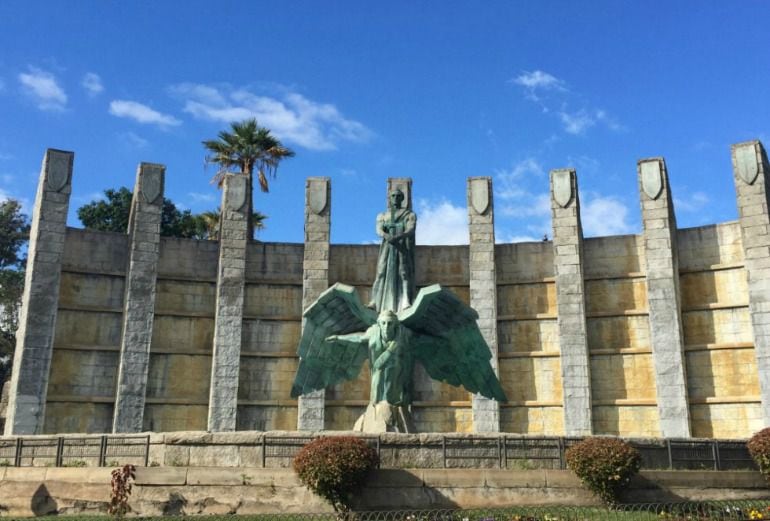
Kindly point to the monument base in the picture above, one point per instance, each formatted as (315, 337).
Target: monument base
(384, 417)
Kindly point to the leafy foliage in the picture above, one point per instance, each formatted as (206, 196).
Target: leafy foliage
(604, 465)
(111, 214)
(14, 233)
(246, 147)
(759, 448)
(335, 467)
(120, 488)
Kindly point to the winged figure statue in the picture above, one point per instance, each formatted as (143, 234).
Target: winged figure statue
(437, 330)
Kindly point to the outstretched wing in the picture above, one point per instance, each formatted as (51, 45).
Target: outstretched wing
(336, 312)
(449, 344)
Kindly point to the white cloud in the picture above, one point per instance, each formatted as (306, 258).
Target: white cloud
(510, 184)
(576, 123)
(604, 215)
(539, 80)
(198, 198)
(141, 113)
(694, 202)
(43, 87)
(92, 83)
(441, 222)
(293, 118)
(521, 238)
(133, 140)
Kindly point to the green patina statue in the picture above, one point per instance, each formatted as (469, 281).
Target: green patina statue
(394, 286)
(394, 332)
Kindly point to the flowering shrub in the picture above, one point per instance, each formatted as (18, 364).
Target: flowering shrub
(759, 448)
(120, 485)
(335, 467)
(604, 465)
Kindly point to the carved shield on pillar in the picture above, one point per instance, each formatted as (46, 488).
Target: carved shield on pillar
(562, 187)
(236, 192)
(480, 198)
(652, 179)
(152, 182)
(746, 163)
(317, 196)
(59, 166)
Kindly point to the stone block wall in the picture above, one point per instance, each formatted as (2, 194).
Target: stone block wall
(616, 291)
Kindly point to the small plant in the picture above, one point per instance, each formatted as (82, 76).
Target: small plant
(246, 479)
(335, 467)
(759, 448)
(122, 482)
(604, 466)
(5, 463)
(75, 463)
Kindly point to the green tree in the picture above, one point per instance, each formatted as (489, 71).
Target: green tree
(111, 214)
(209, 223)
(14, 233)
(246, 148)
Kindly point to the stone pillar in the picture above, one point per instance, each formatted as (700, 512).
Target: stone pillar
(405, 185)
(483, 287)
(752, 173)
(315, 280)
(663, 300)
(139, 302)
(570, 300)
(37, 319)
(231, 277)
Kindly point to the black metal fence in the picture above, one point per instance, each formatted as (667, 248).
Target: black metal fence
(502, 452)
(709, 511)
(86, 451)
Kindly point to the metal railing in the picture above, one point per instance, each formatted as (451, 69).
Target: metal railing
(706, 511)
(86, 451)
(503, 452)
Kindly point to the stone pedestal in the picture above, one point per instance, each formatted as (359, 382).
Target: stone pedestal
(139, 303)
(483, 288)
(37, 318)
(315, 280)
(666, 337)
(570, 300)
(384, 417)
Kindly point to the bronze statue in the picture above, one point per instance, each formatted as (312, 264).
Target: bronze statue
(394, 285)
(394, 332)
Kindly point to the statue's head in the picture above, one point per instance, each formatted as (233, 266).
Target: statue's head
(388, 322)
(396, 198)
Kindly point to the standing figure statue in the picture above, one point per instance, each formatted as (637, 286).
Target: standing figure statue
(394, 288)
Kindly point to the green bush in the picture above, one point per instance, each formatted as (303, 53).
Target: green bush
(335, 467)
(759, 448)
(604, 465)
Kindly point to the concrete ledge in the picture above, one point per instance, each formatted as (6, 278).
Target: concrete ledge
(243, 490)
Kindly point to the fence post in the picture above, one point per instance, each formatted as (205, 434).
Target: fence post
(443, 448)
(17, 459)
(670, 458)
(147, 451)
(562, 466)
(103, 451)
(715, 452)
(264, 450)
(379, 461)
(59, 451)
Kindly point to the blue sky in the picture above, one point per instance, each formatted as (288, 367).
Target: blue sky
(437, 91)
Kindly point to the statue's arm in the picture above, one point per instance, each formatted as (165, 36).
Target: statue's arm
(380, 225)
(385, 356)
(352, 338)
(410, 224)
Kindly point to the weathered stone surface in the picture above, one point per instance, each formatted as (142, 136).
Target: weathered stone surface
(752, 174)
(570, 297)
(315, 280)
(139, 304)
(483, 289)
(37, 318)
(231, 277)
(666, 337)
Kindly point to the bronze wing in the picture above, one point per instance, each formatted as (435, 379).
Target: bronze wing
(338, 311)
(449, 344)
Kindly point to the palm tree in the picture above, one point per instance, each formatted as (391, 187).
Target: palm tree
(209, 223)
(239, 152)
